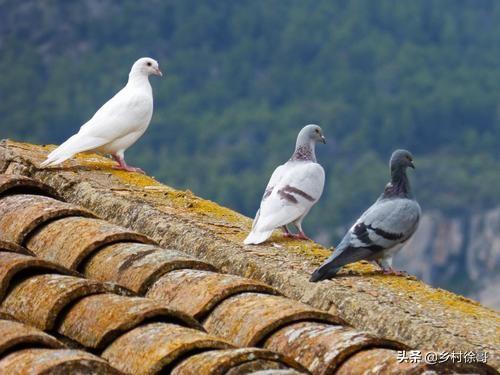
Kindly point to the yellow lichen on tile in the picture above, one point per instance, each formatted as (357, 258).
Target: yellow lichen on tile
(234, 226)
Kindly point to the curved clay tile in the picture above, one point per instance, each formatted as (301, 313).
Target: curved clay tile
(236, 362)
(96, 320)
(39, 299)
(70, 240)
(151, 348)
(384, 362)
(246, 319)
(205, 289)
(136, 266)
(267, 372)
(322, 348)
(13, 264)
(10, 184)
(14, 334)
(20, 214)
(13, 247)
(55, 361)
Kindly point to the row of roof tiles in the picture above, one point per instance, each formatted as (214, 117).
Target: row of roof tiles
(145, 309)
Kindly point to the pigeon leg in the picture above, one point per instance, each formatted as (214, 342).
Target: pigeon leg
(300, 235)
(122, 165)
(286, 232)
(386, 266)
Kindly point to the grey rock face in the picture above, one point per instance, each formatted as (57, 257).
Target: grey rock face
(457, 253)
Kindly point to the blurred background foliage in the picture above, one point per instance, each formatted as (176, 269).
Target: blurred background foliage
(242, 77)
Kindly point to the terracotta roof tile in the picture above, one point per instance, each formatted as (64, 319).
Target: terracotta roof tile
(383, 361)
(14, 334)
(247, 319)
(236, 362)
(158, 333)
(334, 343)
(96, 320)
(54, 361)
(206, 289)
(20, 214)
(13, 184)
(136, 266)
(149, 348)
(70, 240)
(13, 264)
(39, 299)
(27, 350)
(14, 247)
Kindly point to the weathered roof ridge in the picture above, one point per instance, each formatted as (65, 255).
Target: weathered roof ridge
(91, 314)
(398, 308)
(102, 317)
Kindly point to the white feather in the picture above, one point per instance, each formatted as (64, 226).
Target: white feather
(276, 211)
(118, 124)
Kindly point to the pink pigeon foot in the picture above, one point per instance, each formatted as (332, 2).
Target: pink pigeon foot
(392, 271)
(123, 166)
(298, 236)
(128, 169)
(302, 236)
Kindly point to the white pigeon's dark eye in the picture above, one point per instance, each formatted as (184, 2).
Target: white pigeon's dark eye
(317, 130)
(149, 63)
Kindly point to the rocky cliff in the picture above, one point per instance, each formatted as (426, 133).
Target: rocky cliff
(458, 253)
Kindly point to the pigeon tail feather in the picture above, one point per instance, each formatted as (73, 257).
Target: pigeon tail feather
(72, 146)
(255, 238)
(54, 159)
(324, 272)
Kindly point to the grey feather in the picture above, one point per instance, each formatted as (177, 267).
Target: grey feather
(382, 229)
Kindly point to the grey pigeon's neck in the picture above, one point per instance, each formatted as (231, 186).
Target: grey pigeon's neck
(304, 150)
(399, 187)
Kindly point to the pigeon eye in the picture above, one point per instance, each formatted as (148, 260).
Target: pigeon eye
(149, 63)
(317, 130)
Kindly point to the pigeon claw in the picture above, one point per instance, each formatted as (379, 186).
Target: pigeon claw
(392, 271)
(128, 169)
(298, 236)
(301, 236)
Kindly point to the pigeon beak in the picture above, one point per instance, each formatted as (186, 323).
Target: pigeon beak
(323, 139)
(158, 72)
(411, 164)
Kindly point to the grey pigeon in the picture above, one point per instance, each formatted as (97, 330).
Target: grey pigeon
(293, 189)
(383, 229)
(119, 123)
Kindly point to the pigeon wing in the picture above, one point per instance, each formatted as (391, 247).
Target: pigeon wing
(291, 192)
(384, 225)
(298, 189)
(127, 112)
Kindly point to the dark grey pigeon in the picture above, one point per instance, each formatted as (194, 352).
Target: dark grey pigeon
(383, 229)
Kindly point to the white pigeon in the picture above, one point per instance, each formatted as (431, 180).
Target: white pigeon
(293, 189)
(119, 123)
